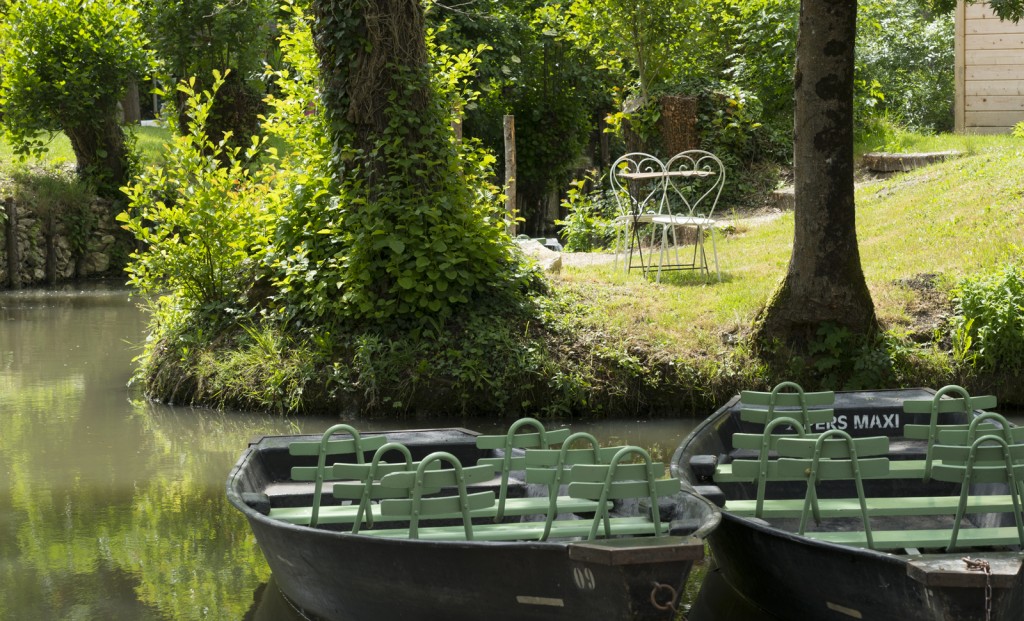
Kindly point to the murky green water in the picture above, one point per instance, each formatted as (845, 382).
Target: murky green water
(112, 507)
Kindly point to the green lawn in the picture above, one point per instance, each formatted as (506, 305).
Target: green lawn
(950, 219)
(150, 141)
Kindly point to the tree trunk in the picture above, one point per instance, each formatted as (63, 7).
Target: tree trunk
(825, 282)
(132, 112)
(101, 155)
(361, 73)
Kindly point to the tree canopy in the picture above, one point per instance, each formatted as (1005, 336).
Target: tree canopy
(65, 67)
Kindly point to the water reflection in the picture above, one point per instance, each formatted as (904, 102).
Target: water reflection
(112, 507)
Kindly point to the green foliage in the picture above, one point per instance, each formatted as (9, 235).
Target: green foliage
(53, 196)
(200, 215)
(1012, 10)
(988, 322)
(533, 70)
(194, 38)
(416, 230)
(65, 67)
(907, 55)
(838, 359)
(762, 59)
(731, 123)
(640, 38)
(590, 221)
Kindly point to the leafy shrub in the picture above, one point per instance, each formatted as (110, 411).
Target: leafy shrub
(201, 215)
(589, 224)
(415, 230)
(65, 67)
(194, 38)
(988, 322)
(907, 53)
(533, 70)
(762, 59)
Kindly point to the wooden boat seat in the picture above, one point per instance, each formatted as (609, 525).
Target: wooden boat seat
(354, 446)
(600, 484)
(941, 404)
(512, 444)
(924, 538)
(898, 469)
(526, 531)
(358, 488)
(986, 455)
(877, 507)
(786, 408)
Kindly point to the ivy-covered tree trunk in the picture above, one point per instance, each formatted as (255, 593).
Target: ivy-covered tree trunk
(418, 239)
(371, 51)
(825, 283)
(101, 154)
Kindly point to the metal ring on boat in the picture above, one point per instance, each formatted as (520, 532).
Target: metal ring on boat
(659, 588)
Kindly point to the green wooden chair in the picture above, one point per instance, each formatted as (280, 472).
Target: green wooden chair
(940, 404)
(765, 444)
(993, 457)
(790, 400)
(413, 487)
(795, 411)
(832, 456)
(512, 459)
(361, 483)
(549, 467)
(327, 447)
(619, 480)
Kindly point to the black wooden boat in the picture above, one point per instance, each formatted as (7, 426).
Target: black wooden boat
(369, 555)
(934, 531)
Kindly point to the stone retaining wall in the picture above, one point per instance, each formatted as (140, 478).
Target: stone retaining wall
(43, 249)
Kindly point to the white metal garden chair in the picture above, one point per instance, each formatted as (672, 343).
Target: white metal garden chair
(694, 181)
(639, 184)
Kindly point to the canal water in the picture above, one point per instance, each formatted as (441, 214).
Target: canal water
(112, 507)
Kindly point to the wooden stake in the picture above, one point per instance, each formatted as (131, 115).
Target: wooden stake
(13, 262)
(510, 173)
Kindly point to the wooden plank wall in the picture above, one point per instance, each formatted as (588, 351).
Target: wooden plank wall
(989, 71)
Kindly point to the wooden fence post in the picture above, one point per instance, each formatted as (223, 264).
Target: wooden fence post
(510, 173)
(13, 262)
(457, 124)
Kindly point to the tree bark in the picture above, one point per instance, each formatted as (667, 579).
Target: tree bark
(825, 282)
(101, 155)
(130, 107)
(370, 50)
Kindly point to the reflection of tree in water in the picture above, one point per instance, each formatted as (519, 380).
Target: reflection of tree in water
(193, 553)
(54, 523)
(118, 517)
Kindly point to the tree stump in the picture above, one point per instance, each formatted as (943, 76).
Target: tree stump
(903, 162)
(678, 124)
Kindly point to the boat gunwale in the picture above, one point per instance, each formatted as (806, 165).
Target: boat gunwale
(234, 496)
(683, 473)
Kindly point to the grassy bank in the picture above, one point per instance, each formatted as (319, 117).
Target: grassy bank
(944, 221)
(919, 234)
(149, 144)
(612, 344)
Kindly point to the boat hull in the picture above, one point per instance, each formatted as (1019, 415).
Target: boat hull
(337, 576)
(355, 578)
(793, 577)
(788, 576)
